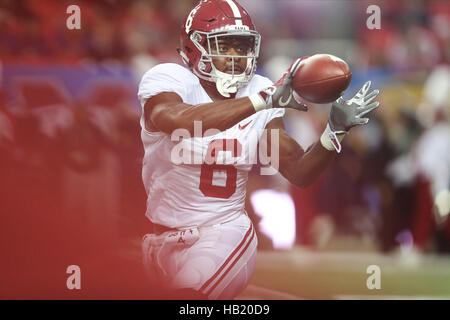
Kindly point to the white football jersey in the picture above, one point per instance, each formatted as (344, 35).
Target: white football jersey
(198, 181)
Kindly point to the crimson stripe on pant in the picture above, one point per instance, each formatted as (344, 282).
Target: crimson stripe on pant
(232, 265)
(208, 282)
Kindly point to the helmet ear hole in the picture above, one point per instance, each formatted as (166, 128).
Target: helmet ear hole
(197, 37)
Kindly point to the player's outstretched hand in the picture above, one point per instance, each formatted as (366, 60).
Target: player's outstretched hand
(281, 94)
(284, 96)
(345, 115)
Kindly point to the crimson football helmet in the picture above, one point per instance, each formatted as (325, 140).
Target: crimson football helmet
(206, 24)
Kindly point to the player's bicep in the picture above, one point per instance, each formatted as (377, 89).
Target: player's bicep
(289, 150)
(158, 110)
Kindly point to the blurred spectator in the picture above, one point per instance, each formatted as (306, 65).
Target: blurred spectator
(426, 163)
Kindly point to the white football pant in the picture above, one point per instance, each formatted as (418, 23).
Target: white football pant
(217, 261)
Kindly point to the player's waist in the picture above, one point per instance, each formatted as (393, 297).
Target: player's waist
(158, 229)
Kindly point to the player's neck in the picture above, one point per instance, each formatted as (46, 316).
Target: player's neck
(211, 90)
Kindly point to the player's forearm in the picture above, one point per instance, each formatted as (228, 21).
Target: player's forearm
(310, 165)
(219, 115)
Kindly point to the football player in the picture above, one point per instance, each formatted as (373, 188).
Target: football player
(203, 244)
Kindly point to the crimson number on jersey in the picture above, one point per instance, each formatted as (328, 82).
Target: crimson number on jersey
(207, 171)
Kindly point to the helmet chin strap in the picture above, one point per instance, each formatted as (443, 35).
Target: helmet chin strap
(227, 83)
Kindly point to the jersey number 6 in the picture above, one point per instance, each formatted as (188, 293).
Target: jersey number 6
(206, 175)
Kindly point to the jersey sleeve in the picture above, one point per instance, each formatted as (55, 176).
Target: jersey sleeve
(161, 78)
(275, 113)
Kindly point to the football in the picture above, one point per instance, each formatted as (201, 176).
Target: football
(322, 78)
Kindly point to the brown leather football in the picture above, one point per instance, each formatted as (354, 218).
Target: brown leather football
(322, 78)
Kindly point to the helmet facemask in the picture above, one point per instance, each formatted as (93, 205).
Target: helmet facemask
(209, 44)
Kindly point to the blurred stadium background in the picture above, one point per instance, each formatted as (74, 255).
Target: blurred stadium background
(70, 150)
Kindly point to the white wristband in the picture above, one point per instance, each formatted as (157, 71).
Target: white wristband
(258, 102)
(332, 140)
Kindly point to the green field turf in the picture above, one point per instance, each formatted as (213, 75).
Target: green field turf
(307, 274)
